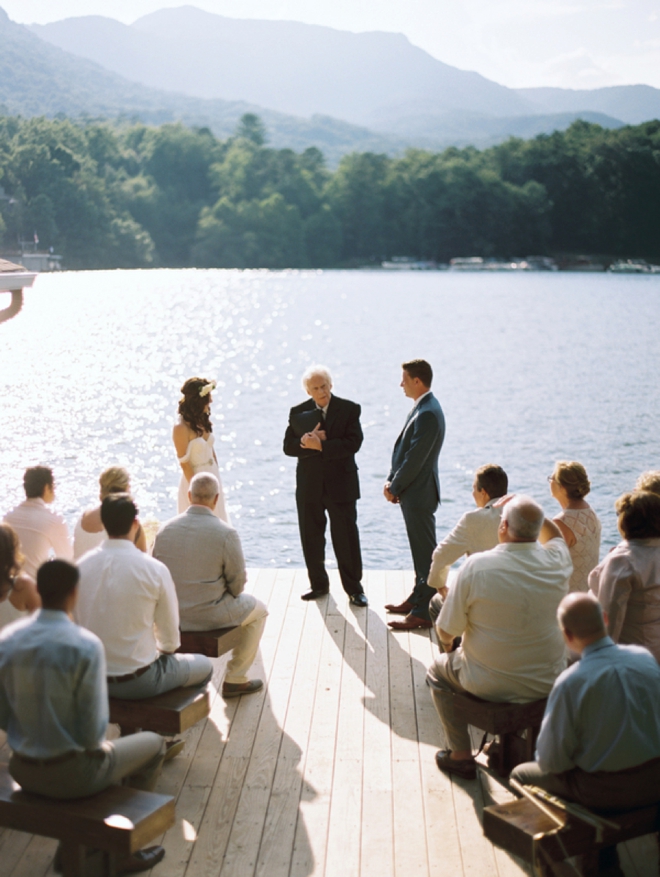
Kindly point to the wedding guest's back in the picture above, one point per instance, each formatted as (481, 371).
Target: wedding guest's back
(89, 531)
(577, 521)
(627, 582)
(42, 532)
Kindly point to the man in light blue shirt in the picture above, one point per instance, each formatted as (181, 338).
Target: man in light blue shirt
(599, 743)
(54, 706)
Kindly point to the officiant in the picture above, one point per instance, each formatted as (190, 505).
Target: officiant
(324, 433)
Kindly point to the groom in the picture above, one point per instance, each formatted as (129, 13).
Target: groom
(413, 484)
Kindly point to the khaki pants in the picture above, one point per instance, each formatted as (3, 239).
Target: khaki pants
(242, 657)
(443, 677)
(136, 760)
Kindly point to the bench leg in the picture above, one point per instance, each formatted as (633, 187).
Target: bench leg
(74, 859)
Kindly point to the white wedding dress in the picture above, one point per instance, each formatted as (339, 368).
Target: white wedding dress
(199, 455)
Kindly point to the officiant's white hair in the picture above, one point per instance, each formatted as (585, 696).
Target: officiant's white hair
(316, 371)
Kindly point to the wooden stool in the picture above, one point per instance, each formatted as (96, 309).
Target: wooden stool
(170, 713)
(211, 643)
(505, 720)
(516, 828)
(118, 822)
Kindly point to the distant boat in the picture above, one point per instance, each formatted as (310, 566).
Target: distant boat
(407, 263)
(477, 263)
(633, 266)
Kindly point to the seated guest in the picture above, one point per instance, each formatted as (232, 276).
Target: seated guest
(129, 601)
(476, 531)
(42, 532)
(599, 743)
(54, 707)
(627, 582)
(577, 521)
(205, 558)
(89, 531)
(18, 592)
(649, 481)
(503, 603)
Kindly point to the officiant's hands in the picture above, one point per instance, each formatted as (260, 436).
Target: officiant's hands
(313, 440)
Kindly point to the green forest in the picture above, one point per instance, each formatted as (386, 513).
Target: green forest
(106, 195)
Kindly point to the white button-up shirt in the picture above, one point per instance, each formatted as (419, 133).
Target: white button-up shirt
(476, 531)
(504, 604)
(43, 533)
(128, 600)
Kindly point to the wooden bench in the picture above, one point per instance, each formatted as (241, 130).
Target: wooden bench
(211, 643)
(118, 822)
(505, 720)
(516, 827)
(169, 713)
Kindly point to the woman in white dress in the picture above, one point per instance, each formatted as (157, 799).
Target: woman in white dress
(193, 440)
(18, 592)
(89, 531)
(577, 521)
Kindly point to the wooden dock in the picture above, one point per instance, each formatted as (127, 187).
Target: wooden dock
(330, 770)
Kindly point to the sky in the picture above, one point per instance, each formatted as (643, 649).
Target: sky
(518, 43)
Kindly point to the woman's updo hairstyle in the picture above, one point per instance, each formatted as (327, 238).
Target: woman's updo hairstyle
(11, 558)
(639, 515)
(192, 404)
(572, 476)
(114, 479)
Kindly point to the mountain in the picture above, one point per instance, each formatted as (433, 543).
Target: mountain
(291, 67)
(39, 79)
(633, 104)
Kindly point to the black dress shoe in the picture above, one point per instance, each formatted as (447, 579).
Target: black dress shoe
(358, 599)
(314, 595)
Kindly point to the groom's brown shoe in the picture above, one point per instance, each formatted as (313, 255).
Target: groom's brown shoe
(400, 609)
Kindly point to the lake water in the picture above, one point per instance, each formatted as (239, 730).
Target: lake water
(529, 368)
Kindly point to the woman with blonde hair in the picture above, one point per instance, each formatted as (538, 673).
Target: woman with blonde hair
(577, 521)
(89, 531)
(18, 592)
(627, 582)
(194, 441)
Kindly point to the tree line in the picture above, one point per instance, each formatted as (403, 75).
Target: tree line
(134, 196)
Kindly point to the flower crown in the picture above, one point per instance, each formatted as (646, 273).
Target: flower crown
(203, 391)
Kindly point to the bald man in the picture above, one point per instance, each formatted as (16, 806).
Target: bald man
(503, 603)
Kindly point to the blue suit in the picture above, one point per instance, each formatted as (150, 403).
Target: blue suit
(414, 481)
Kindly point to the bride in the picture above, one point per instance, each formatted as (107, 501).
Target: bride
(193, 440)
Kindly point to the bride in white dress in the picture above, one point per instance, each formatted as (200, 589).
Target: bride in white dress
(193, 440)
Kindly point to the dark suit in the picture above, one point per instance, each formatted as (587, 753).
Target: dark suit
(414, 481)
(327, 480)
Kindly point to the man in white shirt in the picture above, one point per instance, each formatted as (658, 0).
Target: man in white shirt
(476, 531)
(42, 532)
(503, 603)
(205, 558)
(129, 601)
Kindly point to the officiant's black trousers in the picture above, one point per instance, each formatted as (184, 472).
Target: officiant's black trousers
(345, 542)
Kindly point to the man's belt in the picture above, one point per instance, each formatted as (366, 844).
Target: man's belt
(129, 676)
(43, 762)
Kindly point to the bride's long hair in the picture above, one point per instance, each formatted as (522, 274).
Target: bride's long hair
(192, 405)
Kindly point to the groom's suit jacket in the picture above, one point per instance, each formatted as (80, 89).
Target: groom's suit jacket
(414, 471)
(333, 471)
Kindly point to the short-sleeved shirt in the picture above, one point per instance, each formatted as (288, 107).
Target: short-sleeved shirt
(504, 605)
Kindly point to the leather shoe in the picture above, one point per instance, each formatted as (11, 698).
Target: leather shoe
(466, 768)
(358, 599)
(400, 609)
(173, 748)
(143, 860)
(236, 689)
(314, 595)
(411, 622)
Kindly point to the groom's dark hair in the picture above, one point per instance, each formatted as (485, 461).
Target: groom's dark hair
(419, 368)
(118, 511)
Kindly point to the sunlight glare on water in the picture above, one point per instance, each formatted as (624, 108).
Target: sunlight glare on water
(529, 369)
